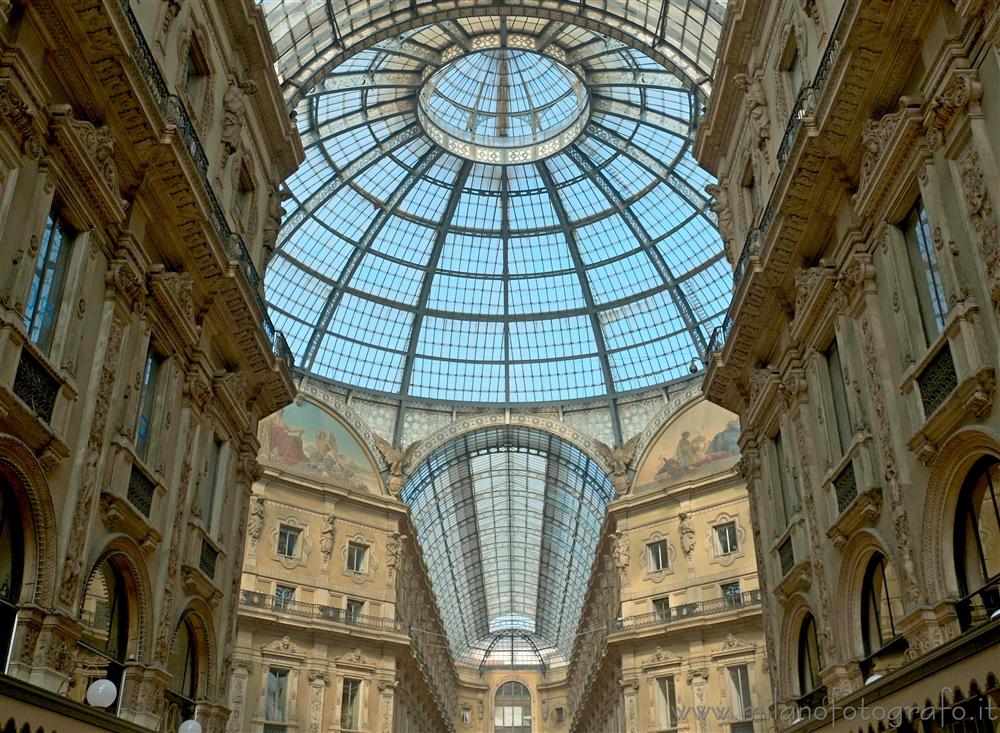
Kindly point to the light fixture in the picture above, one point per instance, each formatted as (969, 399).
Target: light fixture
(101, 693)
(995, 615)
(190, 726)
(873, 678)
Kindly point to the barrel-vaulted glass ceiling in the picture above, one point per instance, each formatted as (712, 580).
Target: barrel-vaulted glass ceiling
(499, 210)
(508, 519)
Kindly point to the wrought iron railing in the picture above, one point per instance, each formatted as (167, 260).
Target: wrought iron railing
(35, 385)
(687, 610)
(937, 381)
(980, 606)
(173, 111)
(253, 599)
(207, 559)
(786, 556)
(141, 489)
(845, 486)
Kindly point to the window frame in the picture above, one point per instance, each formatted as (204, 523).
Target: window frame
(809, 657)
(931, 299)
(353, 722)
(284, 595)
(659, 556)
(44, 304)
(150, 391)
(286, 531)
(277, 673)
(357, 554)
(732, 539)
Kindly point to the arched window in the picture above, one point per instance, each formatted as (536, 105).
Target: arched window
(810, 662)
(11, 565)
(881, 607)
(512, 709)
(183, 666)
(106, 630)
(977, 540)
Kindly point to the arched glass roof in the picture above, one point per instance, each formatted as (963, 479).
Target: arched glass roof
(544, 238)
(508, 519)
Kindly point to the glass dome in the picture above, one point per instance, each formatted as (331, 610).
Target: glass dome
(499, 210)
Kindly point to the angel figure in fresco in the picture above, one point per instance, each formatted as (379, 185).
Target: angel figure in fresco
(687, 451)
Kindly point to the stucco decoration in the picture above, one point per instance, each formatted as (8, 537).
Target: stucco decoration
(304, 545)
(697, 442)
(306, 439)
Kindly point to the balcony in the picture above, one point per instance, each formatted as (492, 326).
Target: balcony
(252, 599)
(173, 113)
(979, 607)
(711, 607)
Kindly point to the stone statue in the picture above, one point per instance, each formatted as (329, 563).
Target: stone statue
(255, 520)
(397, 458)
(618, 459)
(723, 213)
(272, 224)
(326, 538)
(394, 552)
(687, 534)
(232, 118)
(756, 102)
(620, 551)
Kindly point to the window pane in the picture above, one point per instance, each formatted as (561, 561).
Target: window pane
(47, 283)
(147, 403)
(274, 702)
(926, 274)
(841, 408)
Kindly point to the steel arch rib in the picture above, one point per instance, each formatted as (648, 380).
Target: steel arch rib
(351, 266)
(691, 321)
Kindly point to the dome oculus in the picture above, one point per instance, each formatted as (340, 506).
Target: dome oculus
(503, 106)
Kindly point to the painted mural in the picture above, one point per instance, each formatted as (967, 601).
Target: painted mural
(308, 440)
(699, 441)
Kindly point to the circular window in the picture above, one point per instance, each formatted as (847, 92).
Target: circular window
(503, 105)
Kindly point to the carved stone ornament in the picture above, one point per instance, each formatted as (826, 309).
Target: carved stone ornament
(963, 87)
(687, 534)
(397, 459)
(20, 118)
(755, 99)
(620, 551)
(73, 563)
(326, 538)
(618, 459)
(982, 214)
(283, 645)
(255, 519)
(811, 10)
(354, 657)
(662, 656)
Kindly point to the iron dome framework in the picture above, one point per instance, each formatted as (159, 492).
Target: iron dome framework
(508, 519)
(413, 268)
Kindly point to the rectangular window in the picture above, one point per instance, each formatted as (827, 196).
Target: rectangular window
(211, 482)
(356, 556)
(739, 686)
(665, 703)
(288, 540)
(350, 705)
(661, 607)
(147, 402)
(284, 595)
(276, 696)
(795, 73)
(355, 610)
(731, 592)
(195, 78)
(933, 304)
(657, 555)
(560, 715)
(842, 412)
(726, 542)
(753, 195)
(48, 282)
(789, 503)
